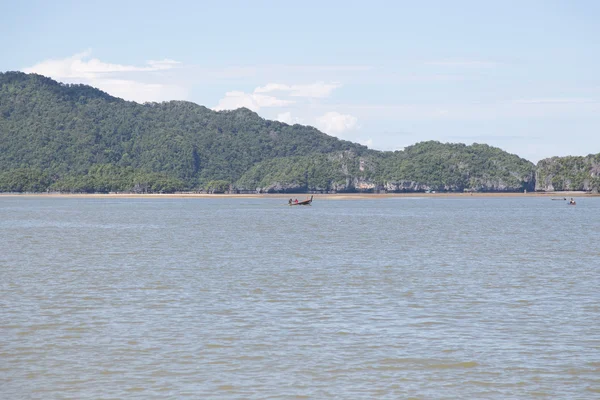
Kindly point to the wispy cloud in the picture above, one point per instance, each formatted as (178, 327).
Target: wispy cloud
(299, 95)
(462, 63)
(557, 100)
(252, 101)
(367, 142)
(126, 81)
(234, 74)
(157, 80)
(315, 90)
(324, 68)
(331, 122)
(288, 118)
(81, 65)
(257, 99)
(335, 123)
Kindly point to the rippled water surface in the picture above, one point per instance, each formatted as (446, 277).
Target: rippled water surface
(430, 298)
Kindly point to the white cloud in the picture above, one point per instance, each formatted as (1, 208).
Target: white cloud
(285, 117)
(81, 65)
(81, 68)
(271, 87)
(140, 92)
(335, 123)
(368, 143)
(288, 119)
(252, 101)
(161, 65)
(317, 89)
(257, 99)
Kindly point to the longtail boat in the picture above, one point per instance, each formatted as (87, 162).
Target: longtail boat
(301, 203)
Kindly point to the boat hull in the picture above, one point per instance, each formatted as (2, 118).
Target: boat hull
(302, 203)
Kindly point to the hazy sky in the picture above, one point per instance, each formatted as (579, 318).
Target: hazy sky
(520, 75)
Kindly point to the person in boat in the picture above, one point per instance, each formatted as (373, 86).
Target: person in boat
(571, 201)
(296, 201)
(290, 202)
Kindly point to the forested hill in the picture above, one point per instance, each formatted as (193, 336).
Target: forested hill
(76, 138)
(65, 130)
(569, 173)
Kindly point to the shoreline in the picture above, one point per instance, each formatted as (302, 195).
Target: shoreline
(325, 196)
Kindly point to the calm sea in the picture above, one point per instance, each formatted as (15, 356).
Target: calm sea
(425, 298)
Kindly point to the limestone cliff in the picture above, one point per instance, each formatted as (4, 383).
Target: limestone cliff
(568, 173)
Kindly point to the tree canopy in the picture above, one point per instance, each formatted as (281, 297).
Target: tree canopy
(75, 138)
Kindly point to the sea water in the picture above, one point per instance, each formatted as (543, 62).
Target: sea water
(430, 298)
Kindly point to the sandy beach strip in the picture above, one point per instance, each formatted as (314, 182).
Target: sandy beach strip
(303, 196)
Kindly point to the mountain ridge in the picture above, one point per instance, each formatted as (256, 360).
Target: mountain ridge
(76, 138)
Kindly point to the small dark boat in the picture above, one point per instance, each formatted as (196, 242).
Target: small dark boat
(301, 203)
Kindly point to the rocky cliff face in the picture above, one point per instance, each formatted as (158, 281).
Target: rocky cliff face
(568, 173)
(361, 184)
(429, 166)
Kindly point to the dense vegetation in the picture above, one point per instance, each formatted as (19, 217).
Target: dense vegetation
(569, 173)
(71, 133)
(74, 138)
(424, 166)
(478, 167)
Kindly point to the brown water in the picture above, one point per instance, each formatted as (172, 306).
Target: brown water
(487, 298)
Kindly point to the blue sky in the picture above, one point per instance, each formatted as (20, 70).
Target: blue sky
(519, 75)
